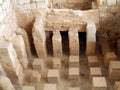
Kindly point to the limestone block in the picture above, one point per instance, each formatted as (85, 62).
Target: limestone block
(91, 39)
(111, 56)
(117, 85)
(28, 88)
(56, 63)
(23, 2)
(5, 83)
(8, 55)
(73, 88)
(38, 64)
(2, 72)
(74, 61)
(19, 45)
(57, 44)
(15, 75)
(118, 46)
(24, 34)
(99, 83)
(114, 70)
(93, 61)
(73, 41)
(19, 73)
(39, 38)
(53, 76)
(35, 77)
(95, 72)
(50, 87)
(73, 74)
(111, 2)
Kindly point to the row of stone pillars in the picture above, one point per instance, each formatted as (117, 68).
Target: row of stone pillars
(74, 46)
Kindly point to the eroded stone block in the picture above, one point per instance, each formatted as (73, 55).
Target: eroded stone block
(74, 61)
(56, 63)
(73, 74)
(53, 76)
(95, 71)
(50, 87)
(8, 55)
(5, 83)
(39, 38)
(99, 83)
(111, 56)
(35, 77)
(19, 45)
(38, 64)
(114, 70)
(24, 34)
(93, 61)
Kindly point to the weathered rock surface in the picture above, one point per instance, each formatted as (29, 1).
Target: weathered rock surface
(5, 83)
(19, 45)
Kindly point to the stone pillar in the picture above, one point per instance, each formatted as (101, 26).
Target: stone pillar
(10, 63)
(19, 45)
(91, 39)
(39, 38)
(26, 40)
(57, 44)
(73, 41)
(5, 83)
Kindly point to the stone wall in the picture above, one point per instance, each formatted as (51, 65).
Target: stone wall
(110, 20)
(63, 19)
(72, 4)
(28, 10)
(8, 57)
(8, 22)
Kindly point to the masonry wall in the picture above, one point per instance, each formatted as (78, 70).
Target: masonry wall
(72, 4)
(110, 20)
(8, 21)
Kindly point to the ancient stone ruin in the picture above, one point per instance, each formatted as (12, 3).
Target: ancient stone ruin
(59, 44)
